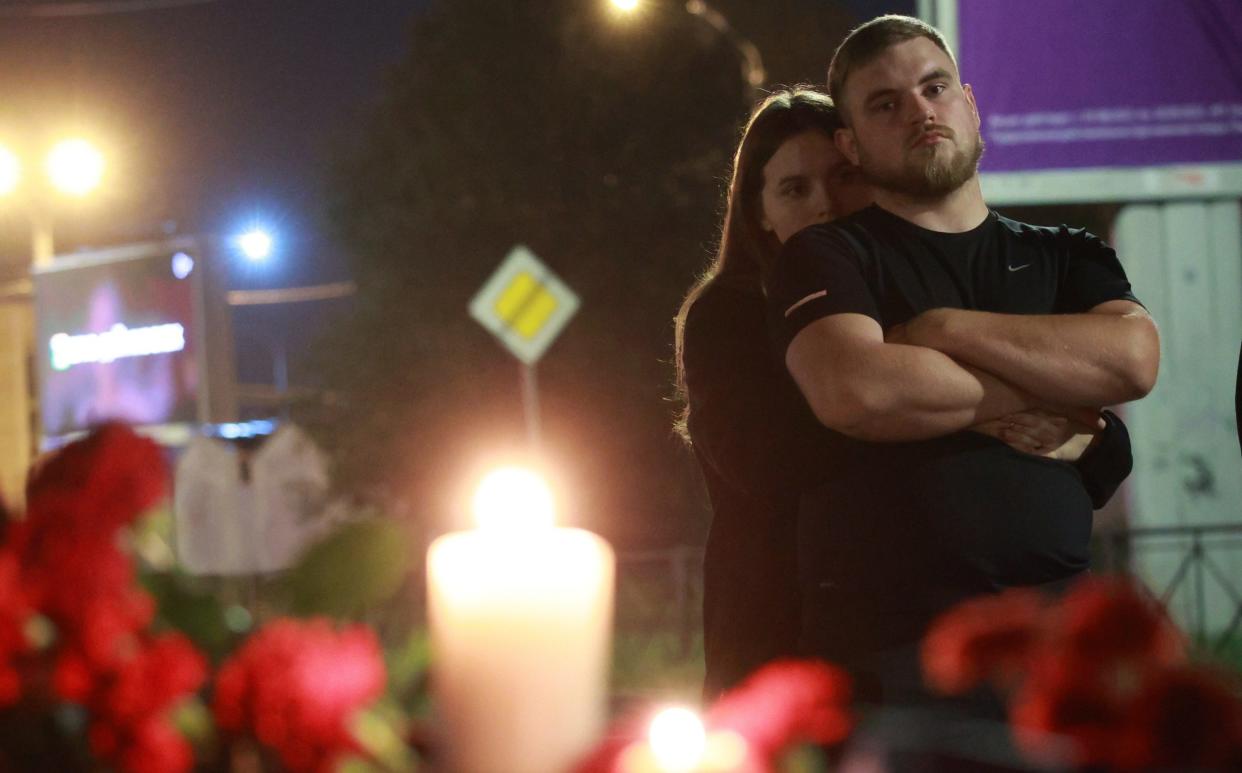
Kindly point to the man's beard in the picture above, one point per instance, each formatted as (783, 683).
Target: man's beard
(931, 179)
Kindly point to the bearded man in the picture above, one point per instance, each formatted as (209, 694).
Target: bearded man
(909, 324)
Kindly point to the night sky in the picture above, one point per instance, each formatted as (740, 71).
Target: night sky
(213, 114)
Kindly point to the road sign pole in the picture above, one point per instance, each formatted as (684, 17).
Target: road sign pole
(530, 403)
(526, 306)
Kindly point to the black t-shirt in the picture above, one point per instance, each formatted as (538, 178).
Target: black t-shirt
(905, 529)
(878, 264)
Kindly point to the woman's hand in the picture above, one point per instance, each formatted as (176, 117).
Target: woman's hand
(1046, 433)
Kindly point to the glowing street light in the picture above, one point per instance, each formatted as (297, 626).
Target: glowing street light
(75, 167)
(10, 171)
(625, 6)
(255, 244)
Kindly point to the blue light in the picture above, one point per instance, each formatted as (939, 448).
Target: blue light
(243, 429)
(262, 427)
(182, 265)
(256, 244)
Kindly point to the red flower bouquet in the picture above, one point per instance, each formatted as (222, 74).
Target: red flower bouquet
(73, 621)
(295, 687)
(1099, 679)
(780, 707)
(786, 703)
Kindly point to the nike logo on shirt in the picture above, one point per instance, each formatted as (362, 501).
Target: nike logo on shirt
(1019, 268)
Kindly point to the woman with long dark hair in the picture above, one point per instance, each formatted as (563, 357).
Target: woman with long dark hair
(735, 408)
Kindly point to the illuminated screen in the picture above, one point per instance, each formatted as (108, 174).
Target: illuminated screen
(116, 341)
(1108, 83)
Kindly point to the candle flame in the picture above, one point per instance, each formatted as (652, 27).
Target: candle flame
(513, 498)
(677, 739)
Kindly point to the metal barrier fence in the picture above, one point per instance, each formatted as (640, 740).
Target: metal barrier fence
(1198, 578)
(662, 590)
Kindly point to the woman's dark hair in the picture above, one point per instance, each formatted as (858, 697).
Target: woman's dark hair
(747, 251)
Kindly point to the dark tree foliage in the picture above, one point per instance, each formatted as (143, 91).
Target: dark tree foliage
(601, 144)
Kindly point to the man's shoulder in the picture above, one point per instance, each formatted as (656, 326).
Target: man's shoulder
(853, 234)
(1040, 234)
(866, 224)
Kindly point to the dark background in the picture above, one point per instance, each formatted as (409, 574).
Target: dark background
(407, 146)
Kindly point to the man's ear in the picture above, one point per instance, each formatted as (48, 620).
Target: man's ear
(970, 97)
(847, 143)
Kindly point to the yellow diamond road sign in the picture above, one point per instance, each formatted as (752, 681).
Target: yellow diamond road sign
(524, 304)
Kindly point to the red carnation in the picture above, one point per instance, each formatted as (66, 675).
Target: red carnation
(151, 746)
(164, 671)
(1067, 699)
(1109, 619)
(229, 704)
(1184, 718)
(72, 568)
(785, 703)
(15, 611)
(85, 586)
(10, 685)
(72, 678)
(296, 685)
(155, 746)
(1102, 678)
(991, 637)
(67, 557)
(129, 698)
(99, 483)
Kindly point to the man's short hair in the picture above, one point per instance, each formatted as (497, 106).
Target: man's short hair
(865, 43)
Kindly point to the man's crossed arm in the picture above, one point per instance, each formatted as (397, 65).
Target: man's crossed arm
(1107, 356)
(911, 387)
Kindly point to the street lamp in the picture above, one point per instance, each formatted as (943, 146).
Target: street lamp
(625, 6)
(10, 171)
(75, 167)
(752, 63)
(255, 244)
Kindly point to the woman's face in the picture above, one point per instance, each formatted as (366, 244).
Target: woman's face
(808, 181)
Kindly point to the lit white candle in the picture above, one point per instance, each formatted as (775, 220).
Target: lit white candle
(521, 615)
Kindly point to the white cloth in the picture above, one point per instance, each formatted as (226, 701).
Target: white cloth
(225, 526)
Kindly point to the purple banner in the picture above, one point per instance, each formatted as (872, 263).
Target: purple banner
(1064, 84)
